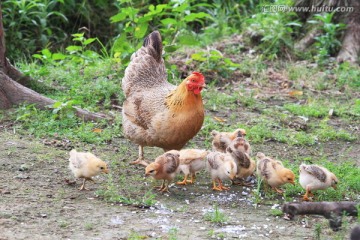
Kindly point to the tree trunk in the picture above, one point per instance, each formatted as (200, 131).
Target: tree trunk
(14, 90)
(330, 210)
(350, 48)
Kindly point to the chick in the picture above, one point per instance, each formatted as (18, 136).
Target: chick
(221, 140)
(86, 165)
(221, 166)
(191, 161)
(164, 167)
(314, 177)
(273, 172)
(239, 149)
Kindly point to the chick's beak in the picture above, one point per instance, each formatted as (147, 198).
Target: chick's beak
(334, 186)
(106, 171)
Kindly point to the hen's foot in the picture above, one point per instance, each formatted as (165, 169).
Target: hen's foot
(140, 161)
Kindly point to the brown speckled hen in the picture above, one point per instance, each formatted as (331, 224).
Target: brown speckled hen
(155, 112)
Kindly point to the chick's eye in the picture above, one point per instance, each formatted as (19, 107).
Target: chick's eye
(101, 167)
(151, 171)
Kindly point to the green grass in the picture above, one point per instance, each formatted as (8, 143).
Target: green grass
(216, 216)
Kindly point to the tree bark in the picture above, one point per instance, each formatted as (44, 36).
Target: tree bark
(330, 210)
(350, 48)
(14, 90)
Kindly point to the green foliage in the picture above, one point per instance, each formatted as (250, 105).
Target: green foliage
(29, 25)
(327, 43)
(272, 32)
(172, 19)
(215, 216)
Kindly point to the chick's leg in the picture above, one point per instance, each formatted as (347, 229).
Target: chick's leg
(193, 177)
(164, 188)
(83, 185)
(141, 159)
(222, 186)
(306, 195)
(278, 190)
(183, 182)
(216, 188)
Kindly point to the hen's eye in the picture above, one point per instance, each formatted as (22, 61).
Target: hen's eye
(151, 171)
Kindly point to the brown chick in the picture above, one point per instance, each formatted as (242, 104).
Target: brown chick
(86, 165)
(191, 162)
(240, 150)
(156, 112)
(221, 140)
(273, 172)
(164, 167)
(221, 166)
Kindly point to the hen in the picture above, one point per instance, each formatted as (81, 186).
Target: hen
(155, 112)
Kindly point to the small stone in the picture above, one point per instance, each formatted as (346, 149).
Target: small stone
(23, 167)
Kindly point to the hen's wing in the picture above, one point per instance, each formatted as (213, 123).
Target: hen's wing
(146, 68)
(316, 171)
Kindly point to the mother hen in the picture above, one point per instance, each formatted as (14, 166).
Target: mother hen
(155, 112)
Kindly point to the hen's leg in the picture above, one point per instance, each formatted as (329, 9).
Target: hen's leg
(141, 159)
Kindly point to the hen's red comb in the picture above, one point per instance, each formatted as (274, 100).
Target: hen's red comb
(199, 75)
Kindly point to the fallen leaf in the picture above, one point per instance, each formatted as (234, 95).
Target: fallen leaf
(296, 93)
(97, 130)
(219, 119)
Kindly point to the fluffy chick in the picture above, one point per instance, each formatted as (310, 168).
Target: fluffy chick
(221, 140)
(191, 162)
(86, 165)
(273, 172)
(314, 177)
(240, 149)
(221, 166)
(164, 167)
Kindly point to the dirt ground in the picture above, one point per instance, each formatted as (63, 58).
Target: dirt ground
(36, 203)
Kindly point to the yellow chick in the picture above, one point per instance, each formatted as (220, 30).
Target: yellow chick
(86, 165)
(191, 162)
(314, 177)
(164, 167)
(240, 149)
(221, 166)
(221, 140)
(273, 172)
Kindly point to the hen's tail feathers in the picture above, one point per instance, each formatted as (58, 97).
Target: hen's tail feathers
(154, 40)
